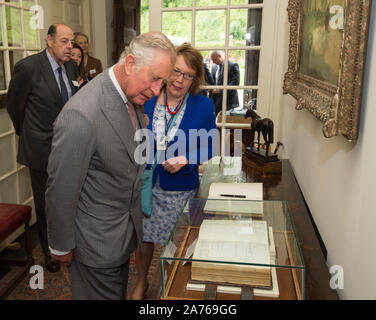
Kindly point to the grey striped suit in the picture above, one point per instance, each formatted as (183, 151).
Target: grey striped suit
(93, 198)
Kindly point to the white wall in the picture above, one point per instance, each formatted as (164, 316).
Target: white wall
(99, 39)
(337, 179)
(109, 33)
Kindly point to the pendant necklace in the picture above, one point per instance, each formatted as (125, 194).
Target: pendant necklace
(177, 110)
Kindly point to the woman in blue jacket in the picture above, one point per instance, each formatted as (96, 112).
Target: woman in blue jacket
(183, 125)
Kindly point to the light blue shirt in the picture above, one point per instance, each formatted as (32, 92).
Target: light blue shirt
(55, 66)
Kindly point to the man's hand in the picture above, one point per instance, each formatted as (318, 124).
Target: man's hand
(63, 259)
(174, 165)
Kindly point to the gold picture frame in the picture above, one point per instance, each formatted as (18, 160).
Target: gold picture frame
(326, 62)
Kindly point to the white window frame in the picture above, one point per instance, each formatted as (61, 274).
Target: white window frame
(17, 169)
(265, 100)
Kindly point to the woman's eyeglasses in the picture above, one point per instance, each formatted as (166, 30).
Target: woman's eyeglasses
(186, 75)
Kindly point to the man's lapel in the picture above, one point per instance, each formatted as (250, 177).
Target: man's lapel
(220, 74)
(117, 114)
(71, 77)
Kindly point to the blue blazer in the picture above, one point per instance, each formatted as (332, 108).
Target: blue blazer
(199, 114)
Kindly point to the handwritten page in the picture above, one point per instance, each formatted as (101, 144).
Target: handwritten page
(233, 241)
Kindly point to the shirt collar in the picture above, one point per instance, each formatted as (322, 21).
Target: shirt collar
(117, 85)
(53, 63)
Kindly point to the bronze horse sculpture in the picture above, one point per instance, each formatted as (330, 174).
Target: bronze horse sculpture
(261, 126)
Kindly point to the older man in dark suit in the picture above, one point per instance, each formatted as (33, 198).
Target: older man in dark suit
(41, 84)
(232, 80)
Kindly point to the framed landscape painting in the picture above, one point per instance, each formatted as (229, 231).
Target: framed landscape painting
(326, 61)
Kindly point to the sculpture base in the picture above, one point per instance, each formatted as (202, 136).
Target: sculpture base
(260, 155)
(266, 170)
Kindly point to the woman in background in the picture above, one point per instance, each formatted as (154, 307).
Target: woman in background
(77, 56)
(93, 66)
(176, 180)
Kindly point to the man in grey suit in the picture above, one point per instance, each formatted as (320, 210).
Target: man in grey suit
(40, 86)
(93, 203)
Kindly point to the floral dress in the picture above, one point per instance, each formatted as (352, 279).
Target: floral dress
(167, 205)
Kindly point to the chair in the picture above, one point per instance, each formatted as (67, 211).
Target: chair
(13, 216)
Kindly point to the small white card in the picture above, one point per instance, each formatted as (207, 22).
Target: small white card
(92, 71)
(170, 252)
(190, 251)
(75, 83)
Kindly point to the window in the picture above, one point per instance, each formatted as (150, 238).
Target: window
(242, 29)
(18, 39)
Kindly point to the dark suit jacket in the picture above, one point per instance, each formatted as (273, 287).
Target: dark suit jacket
(209, 81)
(33, 103)
(233, 80)
(93, 66)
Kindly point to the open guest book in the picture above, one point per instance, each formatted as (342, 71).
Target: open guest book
(244, 242)
(235, 191)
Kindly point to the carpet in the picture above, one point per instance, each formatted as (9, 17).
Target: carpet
(57, 285)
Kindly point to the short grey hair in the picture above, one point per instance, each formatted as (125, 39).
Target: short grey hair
(217, 52)
(144, 46)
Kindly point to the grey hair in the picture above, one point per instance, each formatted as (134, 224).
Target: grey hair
(217, 52)
(144, 46)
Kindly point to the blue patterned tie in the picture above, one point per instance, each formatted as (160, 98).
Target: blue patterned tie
(63, 88)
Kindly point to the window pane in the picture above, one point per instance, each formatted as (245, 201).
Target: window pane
(248, 62)
(232, 100)
(144, 16)
(2, 71)
(8, 191)
(204, 3)
(247, 96)
(7, 155)
(17, 2)
(14, 57)
(1, 29)
(5, 122)
(177, 32)
(13, 17)
(245, 27)
(31, 36)
(246, 1)
(177, 3)
(28, 3)
(24, 185)
(210, 28)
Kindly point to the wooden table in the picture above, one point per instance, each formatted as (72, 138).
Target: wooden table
(284, 186)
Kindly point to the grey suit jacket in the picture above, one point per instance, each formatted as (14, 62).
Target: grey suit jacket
(93, 200)
(33, 102)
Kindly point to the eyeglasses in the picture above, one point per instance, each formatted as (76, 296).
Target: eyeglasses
(186, 75)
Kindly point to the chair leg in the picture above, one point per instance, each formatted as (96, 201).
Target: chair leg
(28, 243)
(25, 264)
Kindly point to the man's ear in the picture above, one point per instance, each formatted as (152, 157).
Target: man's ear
(49, 40)
(130, 64)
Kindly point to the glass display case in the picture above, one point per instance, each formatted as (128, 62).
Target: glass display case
(233, 249)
